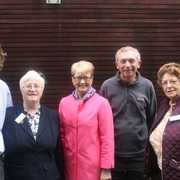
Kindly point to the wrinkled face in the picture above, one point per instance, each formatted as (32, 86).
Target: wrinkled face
(171, 86)
(128, 64)
(32, 91)
(82, 83)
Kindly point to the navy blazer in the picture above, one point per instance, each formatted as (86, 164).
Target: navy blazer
(27, 158)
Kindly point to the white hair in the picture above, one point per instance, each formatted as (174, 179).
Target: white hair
(126, 49)
(32, 75)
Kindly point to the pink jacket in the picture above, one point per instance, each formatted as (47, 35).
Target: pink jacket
(88, 137)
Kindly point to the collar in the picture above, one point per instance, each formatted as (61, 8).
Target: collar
(90, 93)
(38, 111)
(119, 79)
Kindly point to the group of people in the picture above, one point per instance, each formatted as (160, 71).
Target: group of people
(115, 134)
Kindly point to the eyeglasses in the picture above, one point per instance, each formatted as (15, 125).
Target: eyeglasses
(35, 86)
(171, 82)
(85, 78)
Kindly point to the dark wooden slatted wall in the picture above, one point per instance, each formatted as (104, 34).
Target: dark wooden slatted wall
(49, 38)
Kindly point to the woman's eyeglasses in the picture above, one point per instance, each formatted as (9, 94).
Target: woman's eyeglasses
(171, 82)
(79, 78)
(29, 86)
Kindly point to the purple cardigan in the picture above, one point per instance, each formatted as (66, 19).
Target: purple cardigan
(170, 146)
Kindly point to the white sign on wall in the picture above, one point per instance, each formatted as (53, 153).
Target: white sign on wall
(53, 1)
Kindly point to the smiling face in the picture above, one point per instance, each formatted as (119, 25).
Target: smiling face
(171, 87)
(82, 76)
(82, 83)
(32, 91)
(128, 65)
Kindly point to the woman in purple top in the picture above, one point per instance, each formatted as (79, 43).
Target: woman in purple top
(163, 149)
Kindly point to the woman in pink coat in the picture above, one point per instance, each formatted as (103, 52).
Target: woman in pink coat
(87, 128)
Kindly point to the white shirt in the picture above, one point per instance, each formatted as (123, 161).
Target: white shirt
(5, 101)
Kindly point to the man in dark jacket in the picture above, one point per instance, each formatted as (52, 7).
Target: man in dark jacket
(133, 103)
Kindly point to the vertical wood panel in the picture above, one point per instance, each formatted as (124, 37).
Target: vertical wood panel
(49, 38)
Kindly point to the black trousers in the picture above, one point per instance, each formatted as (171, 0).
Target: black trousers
(2, 167)
(128, 168)
(157, 177)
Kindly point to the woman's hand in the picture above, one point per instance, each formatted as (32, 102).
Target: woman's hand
(106, 174)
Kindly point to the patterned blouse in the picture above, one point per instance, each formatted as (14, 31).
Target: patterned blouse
(34, 121)
(156, 137)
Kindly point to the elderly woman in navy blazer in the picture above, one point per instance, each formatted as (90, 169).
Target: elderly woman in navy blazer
(33, 149)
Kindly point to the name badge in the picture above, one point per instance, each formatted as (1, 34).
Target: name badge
(20, 118)
(175, 118)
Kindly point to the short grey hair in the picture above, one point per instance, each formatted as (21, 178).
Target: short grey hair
(126, 49)
(32, 75)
